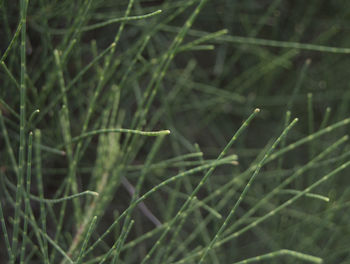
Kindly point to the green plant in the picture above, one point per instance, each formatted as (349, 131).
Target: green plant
(115, 124)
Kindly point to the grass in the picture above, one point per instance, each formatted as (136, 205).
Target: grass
(174, 132)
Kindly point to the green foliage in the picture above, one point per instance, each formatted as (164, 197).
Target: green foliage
(143, 131)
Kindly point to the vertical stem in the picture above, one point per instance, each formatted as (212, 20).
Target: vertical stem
(5, 233)
(21, 158)
(26, 197)
(310, 112)
(38, 172)
(326, 118)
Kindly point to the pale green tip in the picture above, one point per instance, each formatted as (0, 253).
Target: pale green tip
(166, 132)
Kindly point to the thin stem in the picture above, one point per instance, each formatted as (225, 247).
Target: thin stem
(21, 158)
(5, 234)
(201, 183)
(38, 172)
(86, 240)
(119, 130)
(282, 252)
(120, 19)
(26, 199)
(8, 144)
(153, 190)
(246, 188)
